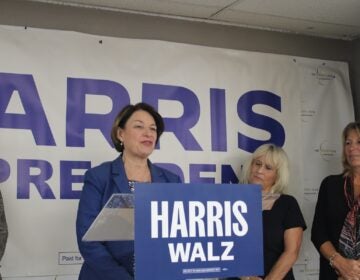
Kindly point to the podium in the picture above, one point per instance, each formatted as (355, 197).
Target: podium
(115, 221)
(187, 231)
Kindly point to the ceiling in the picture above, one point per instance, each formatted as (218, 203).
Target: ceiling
(338, 19)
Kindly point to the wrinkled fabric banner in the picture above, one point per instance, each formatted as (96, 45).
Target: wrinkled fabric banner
(60, 91)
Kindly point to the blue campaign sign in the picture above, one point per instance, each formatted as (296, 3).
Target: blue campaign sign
(192, 231)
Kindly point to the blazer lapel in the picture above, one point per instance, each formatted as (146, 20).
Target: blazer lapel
(120, 180)
(156, 173)
(119, 176)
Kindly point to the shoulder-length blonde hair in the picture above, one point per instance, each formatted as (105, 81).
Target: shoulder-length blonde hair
(353, 126)
(276, 157)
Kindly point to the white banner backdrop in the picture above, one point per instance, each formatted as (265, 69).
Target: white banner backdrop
(326, 110)
(59, 92)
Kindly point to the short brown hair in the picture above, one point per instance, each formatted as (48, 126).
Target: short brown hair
(123, 116)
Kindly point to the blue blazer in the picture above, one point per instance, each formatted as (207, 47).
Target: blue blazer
(112, 259)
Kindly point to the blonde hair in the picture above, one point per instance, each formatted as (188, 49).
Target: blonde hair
(353, 126)
(276, 157)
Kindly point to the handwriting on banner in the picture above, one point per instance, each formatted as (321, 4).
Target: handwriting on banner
(195, 219)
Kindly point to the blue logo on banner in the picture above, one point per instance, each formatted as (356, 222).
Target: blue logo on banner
(192, 231)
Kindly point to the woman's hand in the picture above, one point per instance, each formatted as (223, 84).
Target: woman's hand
(250, 278)
(347, 269)
(292, 241)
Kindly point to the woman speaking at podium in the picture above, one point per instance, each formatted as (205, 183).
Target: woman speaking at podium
(135, 132)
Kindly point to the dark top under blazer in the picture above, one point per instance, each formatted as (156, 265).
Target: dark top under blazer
(285, 214)
(108, 260)
(330, 212)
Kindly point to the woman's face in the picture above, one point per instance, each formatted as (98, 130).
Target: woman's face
(352, 149)
(139, 135)
(262, 173)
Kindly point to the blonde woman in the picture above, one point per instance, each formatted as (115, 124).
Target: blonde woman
(283, 222)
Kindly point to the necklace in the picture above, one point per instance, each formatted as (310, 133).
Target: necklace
(132, 185)
(136, 173)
